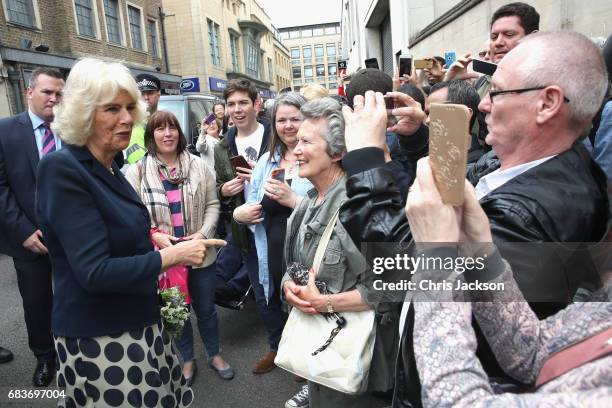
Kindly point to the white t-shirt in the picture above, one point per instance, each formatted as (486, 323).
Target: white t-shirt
(248, 147)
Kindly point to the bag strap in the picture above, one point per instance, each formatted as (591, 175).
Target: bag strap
(322, 247)
(589, 349)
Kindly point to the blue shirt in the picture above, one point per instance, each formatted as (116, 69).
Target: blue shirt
(39, 132)
(602, 151)
(261, 173)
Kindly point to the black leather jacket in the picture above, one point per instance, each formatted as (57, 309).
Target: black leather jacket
(563, 200)
(374, 212)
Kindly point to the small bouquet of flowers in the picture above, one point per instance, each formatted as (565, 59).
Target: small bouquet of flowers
(174, 311)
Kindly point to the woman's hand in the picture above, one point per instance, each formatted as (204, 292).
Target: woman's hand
(191, 252)
(430, 219)
(163, 240)
(249, 213)
(292, 295)
(280, 192)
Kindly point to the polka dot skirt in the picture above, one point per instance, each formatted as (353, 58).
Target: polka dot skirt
(132, 369)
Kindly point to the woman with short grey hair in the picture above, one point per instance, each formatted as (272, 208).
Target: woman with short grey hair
(319, 152)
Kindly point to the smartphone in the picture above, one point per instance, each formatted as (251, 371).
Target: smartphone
(390, 105)
(372, 63)
(484, 67)
(210, 119)
(449, 58)
(449, 142)
(405, 66)
(239, 161)
(423, 64)
(178, 241)
(278, 174)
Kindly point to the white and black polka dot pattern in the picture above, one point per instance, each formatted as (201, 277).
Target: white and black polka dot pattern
(133, 369)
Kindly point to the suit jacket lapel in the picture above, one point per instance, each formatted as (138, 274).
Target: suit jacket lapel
(26, 136)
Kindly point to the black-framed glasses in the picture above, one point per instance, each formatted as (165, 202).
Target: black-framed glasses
(518, 91)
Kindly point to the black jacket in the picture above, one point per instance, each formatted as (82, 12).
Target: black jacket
(97, 231)
(18, 163)
(564, 199)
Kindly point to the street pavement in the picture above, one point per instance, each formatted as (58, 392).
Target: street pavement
(243, 341)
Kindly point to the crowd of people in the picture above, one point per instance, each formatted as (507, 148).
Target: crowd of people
(99, 195)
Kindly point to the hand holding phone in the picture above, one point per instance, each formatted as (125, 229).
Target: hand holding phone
(239, 161)
(210, 118)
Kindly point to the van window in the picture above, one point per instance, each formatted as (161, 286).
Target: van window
(198, 110)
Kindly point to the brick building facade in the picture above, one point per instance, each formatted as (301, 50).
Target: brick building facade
(57, 32)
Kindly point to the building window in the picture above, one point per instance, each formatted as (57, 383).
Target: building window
(317, 31)
(252, 65)
(20, 12)
(307, 32)
(294, 34)
(270, 76)
(320, 70)
(331, 50)
(153, 37)
(318, 50)
(333, 85)
(332, 70)
(308, 71)
(285, 35)
(85, 18)
(234, 50)
(307, 51)
(330, 30)
(295, 53)
(135, 27)
(213, 42)
(297, 72)
(113, 27)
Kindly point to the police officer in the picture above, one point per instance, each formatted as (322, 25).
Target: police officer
(150, 88)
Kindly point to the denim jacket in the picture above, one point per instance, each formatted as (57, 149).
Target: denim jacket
(261, 173)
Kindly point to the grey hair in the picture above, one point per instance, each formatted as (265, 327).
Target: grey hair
(330, 110)
(574, 63)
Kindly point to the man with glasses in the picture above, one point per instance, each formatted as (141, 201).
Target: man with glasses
(538, 184)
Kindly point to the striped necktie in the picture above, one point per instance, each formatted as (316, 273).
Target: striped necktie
(48, 141)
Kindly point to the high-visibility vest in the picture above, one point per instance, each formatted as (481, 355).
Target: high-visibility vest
(136, 149)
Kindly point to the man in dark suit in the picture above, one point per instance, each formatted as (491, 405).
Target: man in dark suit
(24, 139)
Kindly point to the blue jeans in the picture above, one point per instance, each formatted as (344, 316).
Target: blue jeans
(273, 316)
(202, 291)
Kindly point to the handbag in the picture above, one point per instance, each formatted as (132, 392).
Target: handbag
(344, 363)
(176, 276)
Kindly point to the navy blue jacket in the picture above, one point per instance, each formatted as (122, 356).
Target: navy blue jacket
(18, 161)
(97, 232)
